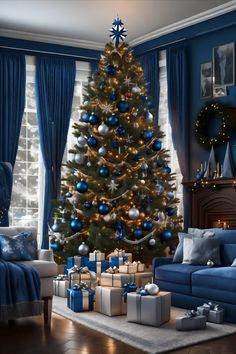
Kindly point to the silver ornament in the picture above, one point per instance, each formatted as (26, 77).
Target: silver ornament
(83, 249)
(136, 89)
(152, 289)
(210, 263)
(81, 140)
(170, 195)
(89, 164)
(103, 129)
(149, 117)
(102, 151)
(152, 242)
(134, 188)
(133, 213)
(80, 158)
(107, 218)
(92, 83)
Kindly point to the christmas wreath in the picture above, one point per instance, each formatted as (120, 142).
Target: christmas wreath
(202, 125)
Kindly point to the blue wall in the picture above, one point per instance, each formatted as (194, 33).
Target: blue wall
(200, 40)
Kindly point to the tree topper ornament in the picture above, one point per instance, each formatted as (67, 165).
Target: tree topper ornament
(118, 31)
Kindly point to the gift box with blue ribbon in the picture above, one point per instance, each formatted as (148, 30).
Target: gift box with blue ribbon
(213, 312)
(97, 266)
(80, 298)
(190, 321)
(76, 260)
(129, 288)
(117, 261)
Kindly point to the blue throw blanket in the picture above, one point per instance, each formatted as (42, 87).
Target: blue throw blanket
(19, 291)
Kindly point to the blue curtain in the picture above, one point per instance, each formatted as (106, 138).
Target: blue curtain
(177, 81)
(12, 104)
(55, 79)
(150, 64)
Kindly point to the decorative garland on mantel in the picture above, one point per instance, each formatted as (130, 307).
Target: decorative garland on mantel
(202, 122)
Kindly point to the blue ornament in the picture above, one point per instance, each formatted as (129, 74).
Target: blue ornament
(113, 96)
(110, 70)
(166, 235)
(56, 246)
(138, 233)
(167, 169)
(123, 106)
(68, 195)
(119, 235)
(147, 225)
(156, 146)
(56, 227)
(144, 98)
(121, 130)
(92, 141)
(104, 171)
(117, 31)
(136, 157)
(88, 205)
(93, 119)
(76, 225)
(149, 103)
(115, 143)
(118, 226)
(156, 218)
(159, 163)
(113, 120)
(103, 208)
(82, 186)
(146, 135)
(85, 117)
(170, 211)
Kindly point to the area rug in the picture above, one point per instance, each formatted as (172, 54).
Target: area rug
(152, 340)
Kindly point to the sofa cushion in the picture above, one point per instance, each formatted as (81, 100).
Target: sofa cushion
(176, 273)
(228, 253)
(174, 287)
(202, 232)
(198, 250)
(16, 248)
(226, 236)
(44, 268)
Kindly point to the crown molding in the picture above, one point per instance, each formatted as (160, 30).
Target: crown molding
(45, 38)
(203, 16)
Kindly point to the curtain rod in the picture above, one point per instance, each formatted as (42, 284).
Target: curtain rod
(47, 52)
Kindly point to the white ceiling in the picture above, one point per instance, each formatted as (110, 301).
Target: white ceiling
(89, 21)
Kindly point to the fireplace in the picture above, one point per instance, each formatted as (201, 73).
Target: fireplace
(213, 203)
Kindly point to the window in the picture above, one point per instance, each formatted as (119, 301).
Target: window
(28, 180)
(166, 128)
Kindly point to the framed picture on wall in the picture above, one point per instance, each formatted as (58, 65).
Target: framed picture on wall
(224, 65)
(206, 80)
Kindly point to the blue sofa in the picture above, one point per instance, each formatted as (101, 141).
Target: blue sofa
(192, 285)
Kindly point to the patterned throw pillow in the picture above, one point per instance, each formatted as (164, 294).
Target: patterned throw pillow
(20, 247)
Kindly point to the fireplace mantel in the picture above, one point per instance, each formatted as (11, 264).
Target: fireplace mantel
(213, 202)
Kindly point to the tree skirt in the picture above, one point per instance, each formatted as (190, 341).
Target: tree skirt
(152, 340)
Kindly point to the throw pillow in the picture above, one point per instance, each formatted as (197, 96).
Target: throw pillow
(15, 248)
(30, 242)
(234, 263)
(198, 251)
(178, 256)
(202, 232)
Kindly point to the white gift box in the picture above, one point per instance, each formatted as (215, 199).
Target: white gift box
(149, 310)
(140, 267)
(110, 301)
(60, 287)
(96, 256)
(116, 279)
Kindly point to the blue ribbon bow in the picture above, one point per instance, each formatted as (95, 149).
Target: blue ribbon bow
(129, 288)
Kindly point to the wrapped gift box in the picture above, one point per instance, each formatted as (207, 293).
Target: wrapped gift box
(76, 278)
(214, 313)
(96, 256)
(76, 260)
(149, 310)
(140, 267)
(128, 267)
(80, 300)
(141, 279)
(120, 253)
(116, 280)
(60, 285)
(110, 301)
(117, 261)
(188, 323)
(97, 266)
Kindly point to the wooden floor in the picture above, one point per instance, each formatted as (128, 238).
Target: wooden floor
(28, 336)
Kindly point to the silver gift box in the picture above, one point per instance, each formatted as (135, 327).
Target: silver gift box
(116, 280)
(60, 287)
(214, 316)
(110, 301)
(149, 310)
(190, 323)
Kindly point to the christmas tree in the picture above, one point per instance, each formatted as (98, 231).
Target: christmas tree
(119, 189)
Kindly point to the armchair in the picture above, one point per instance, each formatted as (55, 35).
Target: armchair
(44, 265)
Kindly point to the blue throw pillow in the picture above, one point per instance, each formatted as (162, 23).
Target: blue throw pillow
(18, 247)
(30, 242)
